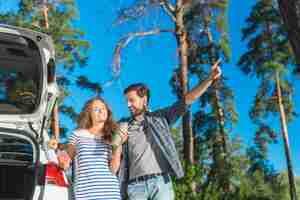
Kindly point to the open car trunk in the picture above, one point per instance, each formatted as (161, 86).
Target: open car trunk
(18, 165)
(20, 74)
(27, 75)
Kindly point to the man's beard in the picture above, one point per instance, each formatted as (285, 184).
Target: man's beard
(135, 113)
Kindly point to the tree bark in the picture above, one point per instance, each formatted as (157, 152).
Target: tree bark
(55, 122)
(220, 115)
(218, 107)
(290, 12)
(182, 43)
(55, 115)
(45, 14)
(284, 131)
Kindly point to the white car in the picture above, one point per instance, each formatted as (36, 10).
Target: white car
(28, 91)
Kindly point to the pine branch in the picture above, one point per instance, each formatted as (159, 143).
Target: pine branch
(169, 8)
(127, 39)
(69, 111)
(83, 83)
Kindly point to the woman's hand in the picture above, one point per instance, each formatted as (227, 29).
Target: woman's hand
(65, 157)
(63, 160)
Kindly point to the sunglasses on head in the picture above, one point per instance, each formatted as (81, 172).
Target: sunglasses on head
(97, 110)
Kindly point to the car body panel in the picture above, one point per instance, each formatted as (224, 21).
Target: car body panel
(34, 126)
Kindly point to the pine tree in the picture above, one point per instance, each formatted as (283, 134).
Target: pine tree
(270, 60)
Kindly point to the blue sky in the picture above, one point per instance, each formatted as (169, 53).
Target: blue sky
(151, 60)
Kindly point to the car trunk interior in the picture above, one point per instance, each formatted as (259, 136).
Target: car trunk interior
(17, 182)
(20, 75)
(17, 167)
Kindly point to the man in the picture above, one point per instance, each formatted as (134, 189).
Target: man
(149, 154)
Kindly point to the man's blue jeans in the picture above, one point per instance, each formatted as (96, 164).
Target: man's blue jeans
(157, 188)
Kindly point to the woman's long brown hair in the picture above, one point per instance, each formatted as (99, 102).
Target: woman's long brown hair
(85, 121)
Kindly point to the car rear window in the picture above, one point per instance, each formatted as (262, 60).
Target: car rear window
(20, 75)
(13, 149)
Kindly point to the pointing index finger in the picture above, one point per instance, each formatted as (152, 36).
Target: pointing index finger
(217, 63)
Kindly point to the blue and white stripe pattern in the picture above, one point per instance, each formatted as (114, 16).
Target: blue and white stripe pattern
(93, 177)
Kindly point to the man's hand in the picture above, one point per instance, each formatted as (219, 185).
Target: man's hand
(197, 91)
(215, 71)
(123, 126)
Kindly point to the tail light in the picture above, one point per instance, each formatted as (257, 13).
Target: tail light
(55, 175)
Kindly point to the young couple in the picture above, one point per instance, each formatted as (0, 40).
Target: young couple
(147, 158)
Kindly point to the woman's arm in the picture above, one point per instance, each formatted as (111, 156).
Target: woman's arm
(116, 159)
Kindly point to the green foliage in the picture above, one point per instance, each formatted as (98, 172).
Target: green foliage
(269, 59)
(255, 186)
(184, 187)
(268, 53)
(84, 83)
(250, 175)
(136, 10)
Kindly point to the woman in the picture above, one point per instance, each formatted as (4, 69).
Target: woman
(89, 146)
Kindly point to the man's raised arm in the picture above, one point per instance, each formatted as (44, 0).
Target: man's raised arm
(197, 91)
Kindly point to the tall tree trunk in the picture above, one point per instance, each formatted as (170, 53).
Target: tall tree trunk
(55, 122)
(290, 12)
(189, 138)
(220, 114)
(221, 122)
(55, 116)
(284, 131)
(45, 14)
(218, 107)
(182, 43)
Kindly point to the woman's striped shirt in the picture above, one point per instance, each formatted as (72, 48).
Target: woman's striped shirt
(93, 177)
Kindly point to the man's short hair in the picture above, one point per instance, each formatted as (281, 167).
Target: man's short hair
(140, 88)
